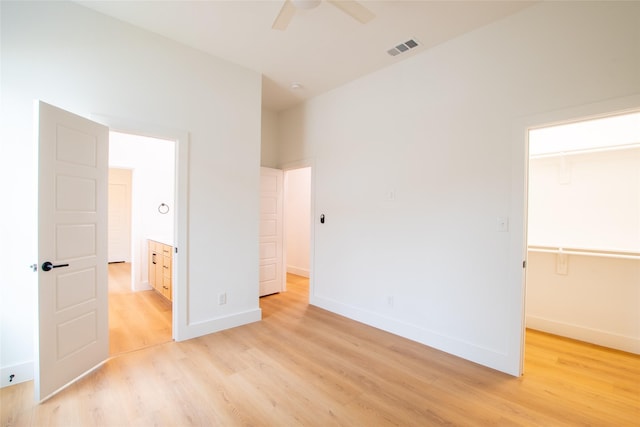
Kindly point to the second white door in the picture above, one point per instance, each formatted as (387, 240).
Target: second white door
(119, 215)
(272, 278)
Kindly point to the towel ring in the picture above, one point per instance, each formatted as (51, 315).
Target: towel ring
(163, 208)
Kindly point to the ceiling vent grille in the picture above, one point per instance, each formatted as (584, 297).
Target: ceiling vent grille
(403, 47)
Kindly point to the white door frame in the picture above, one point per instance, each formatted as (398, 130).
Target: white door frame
(180, 259)
(520, 192)
(306, 163)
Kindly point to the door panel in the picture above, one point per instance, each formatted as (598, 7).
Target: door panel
(75, 194)
(75, 146)
(75, 241)
(72, 288)
(72, 235)
(271, 232)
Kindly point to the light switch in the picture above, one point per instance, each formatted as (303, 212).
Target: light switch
(502, 224)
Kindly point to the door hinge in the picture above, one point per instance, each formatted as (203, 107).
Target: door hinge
(524, 264)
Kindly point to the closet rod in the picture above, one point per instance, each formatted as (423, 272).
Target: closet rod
(585, 252)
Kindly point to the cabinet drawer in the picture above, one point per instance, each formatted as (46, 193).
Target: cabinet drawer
(166, 266)
(166, 288)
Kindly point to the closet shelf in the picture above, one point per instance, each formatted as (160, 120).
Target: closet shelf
(603, 253)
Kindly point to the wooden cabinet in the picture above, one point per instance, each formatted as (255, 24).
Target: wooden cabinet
(161, 267)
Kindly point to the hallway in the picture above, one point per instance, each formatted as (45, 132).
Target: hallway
(136, 319)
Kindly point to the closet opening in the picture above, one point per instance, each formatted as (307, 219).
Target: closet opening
(583, 231)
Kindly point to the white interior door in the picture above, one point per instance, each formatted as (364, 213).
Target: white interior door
(119, 229)
(72, 248)
(272, 277)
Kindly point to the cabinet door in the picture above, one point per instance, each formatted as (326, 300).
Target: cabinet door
(167, 271)
(166, 287)
(152, 261)
(159, 270)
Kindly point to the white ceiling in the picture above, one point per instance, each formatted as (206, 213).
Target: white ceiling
(323, 48)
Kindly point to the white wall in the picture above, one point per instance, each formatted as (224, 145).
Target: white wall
(90, 64)
(152, 162)
(597, 300)
(297, 205)
(269, 139)
(586, 201)
(415, 163)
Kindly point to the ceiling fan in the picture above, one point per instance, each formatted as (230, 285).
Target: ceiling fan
(350, 7)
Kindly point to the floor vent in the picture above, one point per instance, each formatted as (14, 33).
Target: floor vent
(403, 47)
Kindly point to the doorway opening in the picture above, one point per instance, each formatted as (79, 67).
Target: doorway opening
(583, 231)
(297, 228)
(286, 228)
(141, 211)
(286, 236)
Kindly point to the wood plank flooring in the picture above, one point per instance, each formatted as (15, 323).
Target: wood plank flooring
(304, 366)
(136, 319)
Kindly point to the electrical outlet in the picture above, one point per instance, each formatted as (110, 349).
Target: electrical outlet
(11, 377)
(222, 298)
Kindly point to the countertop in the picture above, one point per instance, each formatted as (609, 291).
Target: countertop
(167, 240)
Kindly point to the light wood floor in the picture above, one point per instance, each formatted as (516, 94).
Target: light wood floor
(136, 319)
(303, 366)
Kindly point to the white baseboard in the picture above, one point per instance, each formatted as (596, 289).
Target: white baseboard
(22, 372)
(492, 358)
(197, 329)
(594, 336)
(304, 272)
(143, 286)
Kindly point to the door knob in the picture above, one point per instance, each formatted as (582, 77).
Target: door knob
(46, 266)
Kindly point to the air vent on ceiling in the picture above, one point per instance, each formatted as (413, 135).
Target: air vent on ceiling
(403, 47)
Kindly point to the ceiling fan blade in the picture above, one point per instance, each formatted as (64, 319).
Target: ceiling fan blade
(354, 9)
(284, 17)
